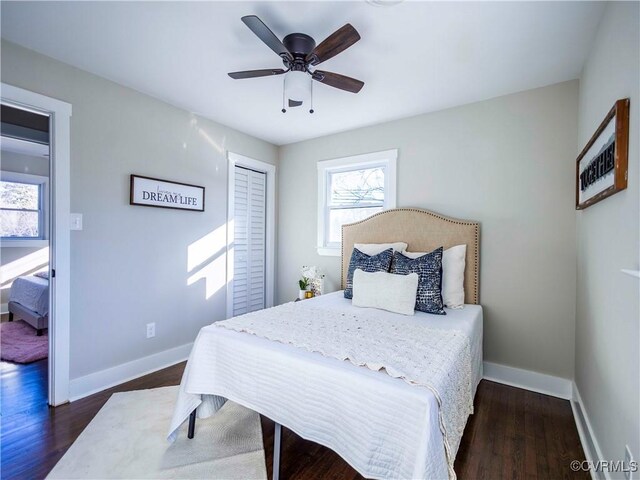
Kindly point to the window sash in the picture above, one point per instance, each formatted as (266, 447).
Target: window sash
(329, 206)
(327, 229)
(354, 168)
(385, 160)
(356, 205)
(40, 211)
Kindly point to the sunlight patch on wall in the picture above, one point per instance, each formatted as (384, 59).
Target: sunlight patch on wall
(211, 141)
(23, 265)
(220, 148)
(206, 247)
(214, 275)
(207, 260)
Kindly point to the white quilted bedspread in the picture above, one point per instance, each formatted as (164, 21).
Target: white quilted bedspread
(301, 365)
(439, 360)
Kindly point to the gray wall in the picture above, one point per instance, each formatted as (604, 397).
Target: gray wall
(15, 162)
(506, 162)
(607, 352)
(129, 264)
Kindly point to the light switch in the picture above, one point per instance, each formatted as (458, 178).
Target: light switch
(76, 221)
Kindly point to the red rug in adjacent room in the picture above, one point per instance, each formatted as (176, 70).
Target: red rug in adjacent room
(20, 344)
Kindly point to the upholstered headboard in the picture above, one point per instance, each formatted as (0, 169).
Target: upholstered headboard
(423, 231)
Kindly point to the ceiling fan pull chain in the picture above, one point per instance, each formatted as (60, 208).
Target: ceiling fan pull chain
(311, 86)
(284, 80)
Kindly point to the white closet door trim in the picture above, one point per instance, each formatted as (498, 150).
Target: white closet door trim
(270, 171)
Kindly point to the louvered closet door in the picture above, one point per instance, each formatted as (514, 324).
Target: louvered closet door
(249, 241)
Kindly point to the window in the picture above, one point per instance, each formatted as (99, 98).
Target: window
(351, 189)
(22, 207)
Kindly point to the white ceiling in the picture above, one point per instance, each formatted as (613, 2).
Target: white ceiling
(414, 57)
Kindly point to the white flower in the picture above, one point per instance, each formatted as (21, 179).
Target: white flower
(312, 272)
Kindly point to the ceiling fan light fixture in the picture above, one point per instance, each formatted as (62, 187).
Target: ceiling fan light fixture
(297, 86)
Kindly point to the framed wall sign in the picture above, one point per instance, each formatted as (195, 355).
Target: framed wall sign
(153, 192)
(601, 167)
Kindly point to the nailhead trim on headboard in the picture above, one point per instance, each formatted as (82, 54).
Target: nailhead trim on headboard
(476, 246)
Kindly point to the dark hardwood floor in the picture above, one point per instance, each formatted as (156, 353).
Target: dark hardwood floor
(513, 434)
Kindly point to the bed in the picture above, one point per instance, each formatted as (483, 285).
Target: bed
(29, 301)
(379, 420)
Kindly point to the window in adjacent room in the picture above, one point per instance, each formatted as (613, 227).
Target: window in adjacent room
(22, 207)
(352, 189)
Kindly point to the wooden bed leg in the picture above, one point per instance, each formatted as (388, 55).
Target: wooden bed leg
(277, 440)
(11, 316)
(192, 425)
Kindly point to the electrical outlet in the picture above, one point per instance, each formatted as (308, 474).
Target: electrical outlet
(628, 464)
(151, 330)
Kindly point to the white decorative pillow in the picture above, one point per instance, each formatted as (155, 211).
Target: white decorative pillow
(385, 291)
(453, 265)
(376, 248)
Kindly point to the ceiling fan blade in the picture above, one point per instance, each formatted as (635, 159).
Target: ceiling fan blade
(256, 73)
(335, 43)
(263, 32)
(338, 81)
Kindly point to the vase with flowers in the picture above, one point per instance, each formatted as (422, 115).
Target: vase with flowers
(315, 279)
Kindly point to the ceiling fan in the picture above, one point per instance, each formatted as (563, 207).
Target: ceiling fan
(298, 52)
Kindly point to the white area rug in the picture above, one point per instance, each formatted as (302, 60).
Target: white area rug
(127, 440)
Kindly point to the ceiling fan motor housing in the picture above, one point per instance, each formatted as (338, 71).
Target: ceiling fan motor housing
(300, 45)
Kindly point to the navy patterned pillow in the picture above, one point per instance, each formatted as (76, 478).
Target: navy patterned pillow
(429, 270)
(374, 263)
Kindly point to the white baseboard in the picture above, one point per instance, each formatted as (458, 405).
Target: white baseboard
(590, 445)
(98, 381)
(4, 308)
(534, 381)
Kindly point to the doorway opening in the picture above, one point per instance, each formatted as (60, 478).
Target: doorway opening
(25, 218)
(34, 246)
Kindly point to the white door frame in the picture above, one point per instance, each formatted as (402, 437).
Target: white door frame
(270, 171)
(59, 237)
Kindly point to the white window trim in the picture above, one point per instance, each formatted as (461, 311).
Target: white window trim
(33, 180)
(270, 246)
(388, 158)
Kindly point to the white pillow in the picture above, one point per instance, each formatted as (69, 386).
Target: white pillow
(385, 291)
(376, 248)
(453, 265)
